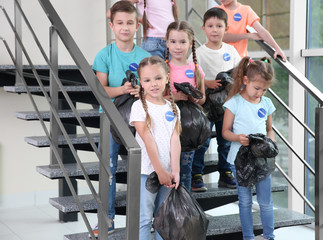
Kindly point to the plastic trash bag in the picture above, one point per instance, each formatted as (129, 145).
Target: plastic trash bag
(124, 103)
(195, 124)
(256, 161)
(215, 98)
(180, 217)
(152, 183)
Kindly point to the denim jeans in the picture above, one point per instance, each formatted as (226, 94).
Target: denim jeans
(155, 46)
(223, 150)
(114, 151)
(264, 199)
(186, 169)
(149, 205)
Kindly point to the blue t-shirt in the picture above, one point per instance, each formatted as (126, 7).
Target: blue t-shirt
(248, 118)
(115, 63)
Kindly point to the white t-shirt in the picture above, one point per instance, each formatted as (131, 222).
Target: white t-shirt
(215, 61)
(163, 125)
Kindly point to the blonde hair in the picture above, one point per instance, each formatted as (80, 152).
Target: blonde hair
(184, 26)
(250, 68)
(155, 60)
(145, 20)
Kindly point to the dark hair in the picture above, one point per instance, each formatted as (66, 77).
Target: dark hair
(186, 27)
(215, 12)
(145, 20)
(155, 60)
(250, 68)
(123, 6)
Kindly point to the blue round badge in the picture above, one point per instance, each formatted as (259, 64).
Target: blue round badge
(237, 17)
(169, 116)
(226, 57)
(262, 112)
(133, 67)
(189, 73)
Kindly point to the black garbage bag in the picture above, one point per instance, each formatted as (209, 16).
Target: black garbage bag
(124, 103)
(215, 98)
(180, 217)
(152, 183)
(256, 161)
(195, 124)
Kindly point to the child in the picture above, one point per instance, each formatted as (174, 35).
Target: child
(239, 16)
(179, 39)
(248, 111)
(110, 65)
(158, 127)
(215, 56)
(156, 16)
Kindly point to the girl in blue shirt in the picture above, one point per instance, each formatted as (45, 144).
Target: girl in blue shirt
(248, 111)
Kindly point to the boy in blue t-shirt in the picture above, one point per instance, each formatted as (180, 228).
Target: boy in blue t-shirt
(110, 65)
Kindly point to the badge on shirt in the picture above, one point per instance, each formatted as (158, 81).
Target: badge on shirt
(169, 116)
(133, 67)
(262, 112)
(189, 73)
(226, 57)
(237, 17)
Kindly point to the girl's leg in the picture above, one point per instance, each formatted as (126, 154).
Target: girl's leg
(186, 169)
(265, 202)
(245, 204)
(147, 205)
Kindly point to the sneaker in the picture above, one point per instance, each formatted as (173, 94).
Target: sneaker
(95, 229)
(227, 180)
(197, 184)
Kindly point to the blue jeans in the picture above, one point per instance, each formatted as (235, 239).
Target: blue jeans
(223, 150)
(186, 169)
(264, 199)
(114, 151)
(155, 46)
(149, 205)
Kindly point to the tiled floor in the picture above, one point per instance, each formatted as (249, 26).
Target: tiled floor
(41, 222)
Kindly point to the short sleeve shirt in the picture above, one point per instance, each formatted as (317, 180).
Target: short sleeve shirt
(249, 118)
(180, 74)
(163, 125)
(238, 19)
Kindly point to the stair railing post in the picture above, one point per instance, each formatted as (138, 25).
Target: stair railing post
(188, 10)
(18, 50)
(104, 178)
(319, 173)
(65, 154)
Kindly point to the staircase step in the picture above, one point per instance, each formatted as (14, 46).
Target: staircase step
(92, 169)
(76, 93)
(210, 199)
(79, 141)
(90, 117)
(226, 227)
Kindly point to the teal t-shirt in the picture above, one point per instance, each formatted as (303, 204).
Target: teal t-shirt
(115, 63)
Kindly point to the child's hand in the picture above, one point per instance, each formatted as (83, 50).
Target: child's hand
(243, 139)
(134, 91)
(127, 87)
(180, 96)
(280, 53)
(194, 100)
(164, 178)
(175, 180)
(214, 84)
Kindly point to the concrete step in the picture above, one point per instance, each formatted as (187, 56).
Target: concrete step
(90, 117)
(76, 93)
(227, 226)
(92, 169)
(79, 141)
(212, 198)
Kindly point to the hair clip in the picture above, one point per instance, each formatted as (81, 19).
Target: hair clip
(166, 61)
(266, 60)
(173, 3)
(251, 60)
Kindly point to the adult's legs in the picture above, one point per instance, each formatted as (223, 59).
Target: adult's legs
(186, 169)
(155, 46)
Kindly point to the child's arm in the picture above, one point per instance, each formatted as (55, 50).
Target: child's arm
(235, 37)
(116, 91)
(212, 84)
(227, 130)
(266, 36)
(175, 154)
(269, 128)
(152, 151)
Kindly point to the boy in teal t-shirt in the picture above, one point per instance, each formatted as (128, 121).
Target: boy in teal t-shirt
(110, 65)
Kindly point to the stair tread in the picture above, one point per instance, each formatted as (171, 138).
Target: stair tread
(68, 205)
(226, 224)
(32, 115)
(33, 89)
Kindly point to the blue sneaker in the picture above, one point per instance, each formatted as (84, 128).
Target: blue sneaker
(197, 184)
(227, 180)
(95, 229)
